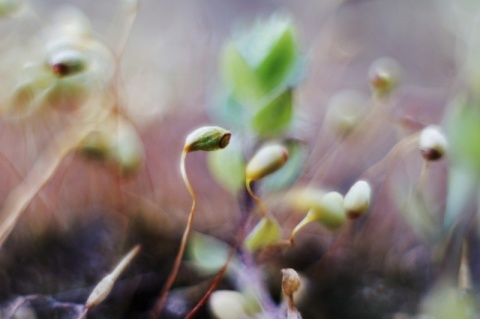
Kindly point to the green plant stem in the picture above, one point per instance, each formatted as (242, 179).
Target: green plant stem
(176, 266)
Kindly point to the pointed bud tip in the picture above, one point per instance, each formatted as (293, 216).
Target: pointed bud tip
(432, 143)
(225, 140)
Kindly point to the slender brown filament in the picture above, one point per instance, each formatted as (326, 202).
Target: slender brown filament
(176, 266)
(258, 200)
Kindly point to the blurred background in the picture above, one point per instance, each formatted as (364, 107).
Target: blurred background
(166, 83)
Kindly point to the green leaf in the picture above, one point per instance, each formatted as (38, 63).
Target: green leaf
(462, 187)
(269, 49)
(266, 232)
(228, 166)
(290, 172)
(276, 116)
(238, 75)
(278, 64)
(208, 253)
(464, 134)
(464, 153)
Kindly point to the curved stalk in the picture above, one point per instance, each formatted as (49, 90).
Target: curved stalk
(176, 266)
(258, 200)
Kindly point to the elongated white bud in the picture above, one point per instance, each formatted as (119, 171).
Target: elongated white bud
(357, 200)
(104, 287)
(432, 143)
(266, 161)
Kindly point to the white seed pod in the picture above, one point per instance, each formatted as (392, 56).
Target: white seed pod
(67, 62)
(228, 304)
(357, 200)
(207, 138)
(432, 143)
(267, 160)
(344, 111)
(384, 75)
(104, 287)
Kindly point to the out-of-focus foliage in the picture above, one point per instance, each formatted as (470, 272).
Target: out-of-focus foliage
(446, 301)
(266, 232)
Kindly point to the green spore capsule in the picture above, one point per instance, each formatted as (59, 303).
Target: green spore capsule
(207, 138)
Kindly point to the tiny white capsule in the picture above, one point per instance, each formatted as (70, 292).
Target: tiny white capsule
(67, 62)
(357, 200)
(266, 161)
(384, 75)
(432, 143)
